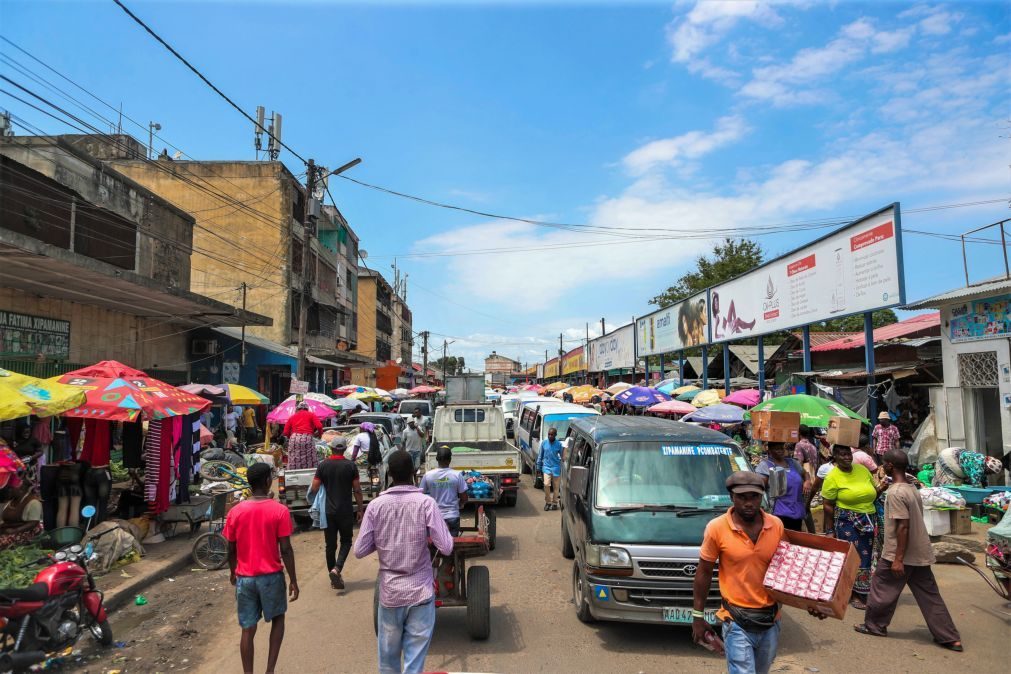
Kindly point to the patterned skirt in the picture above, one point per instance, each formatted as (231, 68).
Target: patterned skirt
(302, 451)
(858, 529)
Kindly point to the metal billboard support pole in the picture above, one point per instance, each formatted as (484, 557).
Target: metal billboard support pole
(681, 367)
(761, 366)
(806, 332)
(705, 367)
(872, 403)
(726, 367)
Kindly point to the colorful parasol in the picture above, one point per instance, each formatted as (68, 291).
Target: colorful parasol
(400, 393)
(556, 386)
(318, 397)
(21, 395)
(640, 396)
(706, 398)
(584, 394)
(718, 413)
(615, 389)
(814, 412)
(422, 390)
(684, 389)
(688, 395)
(243, 395)
(283, 412)
(748, 397)
(117, 392)
(672, 407)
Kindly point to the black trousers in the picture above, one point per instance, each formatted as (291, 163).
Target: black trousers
(342, 525)
(97, 487)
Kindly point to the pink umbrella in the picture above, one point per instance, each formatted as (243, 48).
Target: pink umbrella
(422, 390)
(283, 412)
(205, 436)
(672, 407)
(748, 397)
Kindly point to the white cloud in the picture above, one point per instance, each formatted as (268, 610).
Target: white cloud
(709, 21)
(691, 145)
(939, 22)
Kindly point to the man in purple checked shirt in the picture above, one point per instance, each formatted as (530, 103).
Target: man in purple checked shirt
(398, 525)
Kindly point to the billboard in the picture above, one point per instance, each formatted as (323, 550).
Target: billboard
(673, 328)
(574, 361)
(26, 335)
(540, 370)
(613, 351)
(980, 319)
(851, 271)
(551, 368)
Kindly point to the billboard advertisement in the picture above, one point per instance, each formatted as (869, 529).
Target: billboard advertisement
(851, 271)
(673, 328)
(551, 368)
(540, 370)
(980, 319)
(613, 351)
(574, 361)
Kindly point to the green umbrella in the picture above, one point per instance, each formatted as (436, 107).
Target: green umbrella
(688, 396)
(814, 412)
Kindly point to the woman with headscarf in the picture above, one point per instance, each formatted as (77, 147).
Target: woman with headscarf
(959, 466)
(302, 430)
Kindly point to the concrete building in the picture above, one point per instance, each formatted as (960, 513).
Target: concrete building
(500, 370)
(94, 266)
(403, 340)
(973, 406)
(375, 329)
(248, 233)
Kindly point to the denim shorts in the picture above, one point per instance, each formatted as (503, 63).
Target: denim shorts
(265, 595)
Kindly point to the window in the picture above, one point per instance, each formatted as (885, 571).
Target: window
(977, 369)
(468, 415)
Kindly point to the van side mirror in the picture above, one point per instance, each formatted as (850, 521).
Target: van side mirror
(579, 477)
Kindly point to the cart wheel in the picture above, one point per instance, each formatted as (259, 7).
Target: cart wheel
(492, 528)
(567, 551)
(478, 603)
(215, 471)
(375, 609)
(210, 550)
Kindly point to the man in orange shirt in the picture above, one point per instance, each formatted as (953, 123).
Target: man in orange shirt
(743, 541)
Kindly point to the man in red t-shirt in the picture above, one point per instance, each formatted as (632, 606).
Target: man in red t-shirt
(258, 531)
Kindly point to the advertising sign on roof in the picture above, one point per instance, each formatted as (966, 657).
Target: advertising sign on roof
(851, 271)
(574, 361)
(614, 351)
(551, 368)
(987, 318)
(677, 327)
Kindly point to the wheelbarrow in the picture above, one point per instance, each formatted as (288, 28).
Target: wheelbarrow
(455, 584)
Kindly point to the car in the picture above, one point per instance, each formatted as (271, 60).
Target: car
(637, 493)
(536, 418)
(392, 423)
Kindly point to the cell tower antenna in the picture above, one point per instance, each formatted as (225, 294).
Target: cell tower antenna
(258, 130)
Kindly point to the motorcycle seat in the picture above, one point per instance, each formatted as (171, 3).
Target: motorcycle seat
(34, 592)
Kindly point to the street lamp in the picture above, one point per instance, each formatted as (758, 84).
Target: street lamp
(151, 128)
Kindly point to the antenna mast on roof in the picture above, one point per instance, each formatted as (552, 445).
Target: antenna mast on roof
(273, 132)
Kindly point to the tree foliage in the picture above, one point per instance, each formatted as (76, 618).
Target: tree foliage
(730, 258)
(453, 365)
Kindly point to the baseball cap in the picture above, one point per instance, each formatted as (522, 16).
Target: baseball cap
(744, 481)
(339, 442)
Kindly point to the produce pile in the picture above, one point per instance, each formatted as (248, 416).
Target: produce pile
(11, 562)
(478, 486)
(804, 572)
(999, 500)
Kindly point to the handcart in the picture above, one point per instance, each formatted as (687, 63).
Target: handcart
(193, 513)
(210, 550)
(455, 584)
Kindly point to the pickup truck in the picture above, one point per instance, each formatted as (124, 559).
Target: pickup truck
(293, 485)
(480, 428)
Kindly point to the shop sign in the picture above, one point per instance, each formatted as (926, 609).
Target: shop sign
(613, 351)
(980, 319)
(851, 271)
(25, 335)
(574, 361)
(299, 387)
(673, 328)
(551, 368)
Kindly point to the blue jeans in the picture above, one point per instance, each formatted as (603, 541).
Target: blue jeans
(407, 631)
(749, 652)
(265, 595)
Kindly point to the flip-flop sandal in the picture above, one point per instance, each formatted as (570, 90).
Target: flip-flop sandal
(951, 646)
(858, 605)
(863, 630)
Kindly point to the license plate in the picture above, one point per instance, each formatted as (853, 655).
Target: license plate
(683, 616)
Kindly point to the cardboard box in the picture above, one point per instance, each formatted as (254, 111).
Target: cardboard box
(844, 431)
(961, 521)
(770, 426)
(836, 606)
(938, 522)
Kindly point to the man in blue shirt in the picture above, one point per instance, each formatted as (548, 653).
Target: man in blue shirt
(448, 488)
(549, 464)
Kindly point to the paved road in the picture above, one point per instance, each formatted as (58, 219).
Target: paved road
(534, 627)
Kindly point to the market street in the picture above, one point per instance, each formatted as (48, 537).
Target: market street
(190, 625)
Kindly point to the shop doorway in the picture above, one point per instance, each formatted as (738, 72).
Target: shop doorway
(986, 405)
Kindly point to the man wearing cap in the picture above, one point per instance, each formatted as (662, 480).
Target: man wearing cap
(743, 541)
(885, 436)
(340, 479)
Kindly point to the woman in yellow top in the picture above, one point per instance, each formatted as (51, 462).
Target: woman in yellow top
(848, 494)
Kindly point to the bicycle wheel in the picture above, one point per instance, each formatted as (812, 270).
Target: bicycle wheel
(210, 550)
(217, 471)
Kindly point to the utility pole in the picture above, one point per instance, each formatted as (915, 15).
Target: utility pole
(307, 231)
(586, 357)
(242, 355)
(603, 331)
(424, 357)
(561, 349)
(445, 346)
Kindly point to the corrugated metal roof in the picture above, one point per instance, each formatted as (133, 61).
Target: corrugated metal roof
(962, 294)
(747, 354)
(909, 327)
(819, 338)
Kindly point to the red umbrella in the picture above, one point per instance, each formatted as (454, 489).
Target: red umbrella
(117, 392)
(422, 390)
(672, 407)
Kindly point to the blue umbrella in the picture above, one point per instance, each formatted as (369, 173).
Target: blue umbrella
(689, 396)
(640, 396)
(719, 414)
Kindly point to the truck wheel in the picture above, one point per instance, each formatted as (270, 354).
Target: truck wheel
(525, 467)
(478, 602)
(567, 550)
(375, 609)
(579, 595)
(509, 499)
(492, 528)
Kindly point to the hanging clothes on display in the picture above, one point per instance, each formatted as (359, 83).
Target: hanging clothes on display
(158, 465)
(185, 456)
(133, 444)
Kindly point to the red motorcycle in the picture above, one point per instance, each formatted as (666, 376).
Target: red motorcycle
(52, 613)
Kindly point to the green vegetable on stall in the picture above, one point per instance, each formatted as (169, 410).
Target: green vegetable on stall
(119, 473)
(13, 572)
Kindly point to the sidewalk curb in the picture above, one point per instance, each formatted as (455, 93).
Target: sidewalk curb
(124, 594)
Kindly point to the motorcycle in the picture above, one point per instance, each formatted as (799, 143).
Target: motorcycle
(51, 614)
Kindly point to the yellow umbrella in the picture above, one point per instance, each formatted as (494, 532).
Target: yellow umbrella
(583, 394)
(243, 395)
(706, 398)
(683, 389)
(615, 389)
(366, 396)
(562, 391)
(21, 395)
(557, 386)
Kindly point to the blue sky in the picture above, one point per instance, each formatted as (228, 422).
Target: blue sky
(698, 117)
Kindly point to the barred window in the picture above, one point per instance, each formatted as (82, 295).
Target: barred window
(977, 369)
